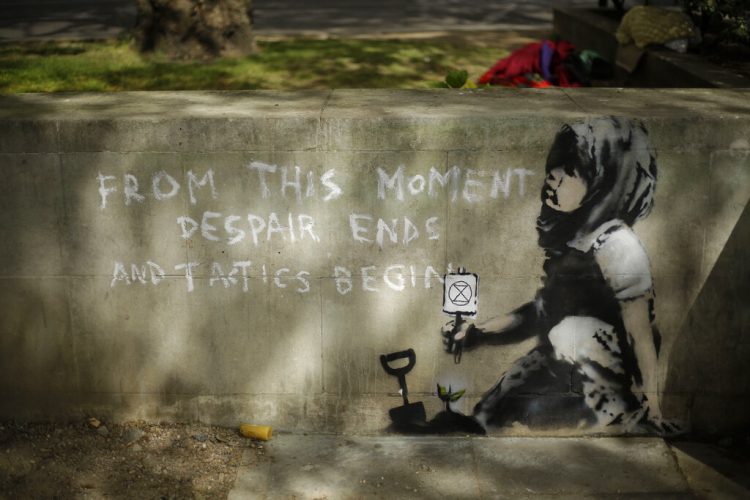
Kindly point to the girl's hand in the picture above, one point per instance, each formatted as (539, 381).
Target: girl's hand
(452, 335)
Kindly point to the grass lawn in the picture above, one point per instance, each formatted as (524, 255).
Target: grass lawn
(282, 63)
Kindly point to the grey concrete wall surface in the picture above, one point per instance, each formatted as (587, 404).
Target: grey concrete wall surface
(216, 256)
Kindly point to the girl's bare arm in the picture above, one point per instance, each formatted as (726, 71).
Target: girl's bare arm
(510, 328)
(635, 316)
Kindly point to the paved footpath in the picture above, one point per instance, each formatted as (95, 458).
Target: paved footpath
(97, 19)
(333, 467)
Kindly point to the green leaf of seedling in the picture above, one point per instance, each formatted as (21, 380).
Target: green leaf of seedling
(442, 391)
(457, 395)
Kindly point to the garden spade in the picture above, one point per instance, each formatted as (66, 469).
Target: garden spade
(410, 414)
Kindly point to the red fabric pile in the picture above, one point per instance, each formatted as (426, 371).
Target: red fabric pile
(536, 65)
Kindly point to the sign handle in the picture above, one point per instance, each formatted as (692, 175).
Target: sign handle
(457, 346)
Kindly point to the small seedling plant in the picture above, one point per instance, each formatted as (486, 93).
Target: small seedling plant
(447, 396)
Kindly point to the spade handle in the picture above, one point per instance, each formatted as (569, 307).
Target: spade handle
(400, 372)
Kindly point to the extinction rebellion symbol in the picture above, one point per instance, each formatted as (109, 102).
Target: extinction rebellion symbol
(460, 293)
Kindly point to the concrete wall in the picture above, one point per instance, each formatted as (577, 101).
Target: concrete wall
(291, 339)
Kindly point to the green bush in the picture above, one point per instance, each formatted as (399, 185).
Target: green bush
(728, 20)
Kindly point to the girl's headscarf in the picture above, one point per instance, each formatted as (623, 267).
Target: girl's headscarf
(613, 155)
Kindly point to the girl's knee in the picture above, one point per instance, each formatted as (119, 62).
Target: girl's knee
(562, 336)
(578, 339)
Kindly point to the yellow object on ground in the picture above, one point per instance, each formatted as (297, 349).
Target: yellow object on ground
(646, 25)
(262, 432)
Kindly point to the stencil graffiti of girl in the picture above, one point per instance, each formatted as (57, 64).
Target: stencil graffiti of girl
(593, 317)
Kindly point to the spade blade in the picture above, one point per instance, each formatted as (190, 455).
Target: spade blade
(408, 414)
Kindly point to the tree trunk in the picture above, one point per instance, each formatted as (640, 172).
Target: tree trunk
(195, 29)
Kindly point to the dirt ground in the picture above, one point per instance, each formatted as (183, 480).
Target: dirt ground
(132, 460)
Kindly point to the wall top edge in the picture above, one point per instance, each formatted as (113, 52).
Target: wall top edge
(709, 104)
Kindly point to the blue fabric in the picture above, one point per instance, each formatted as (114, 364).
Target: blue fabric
(547, 53)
